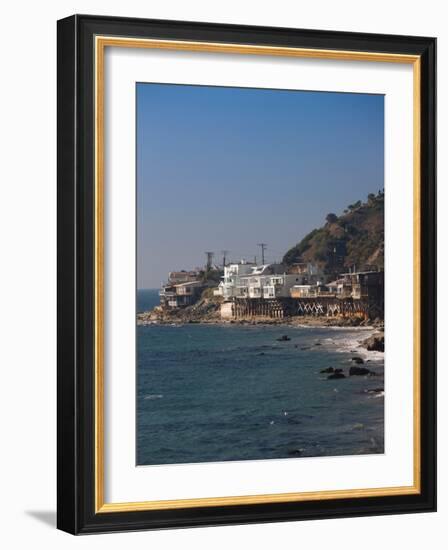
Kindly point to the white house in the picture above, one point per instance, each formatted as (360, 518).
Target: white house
(278, 286)
(230, 286)
(267, 281)
(253, 284)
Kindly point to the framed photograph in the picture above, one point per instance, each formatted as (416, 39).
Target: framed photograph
(246, 274)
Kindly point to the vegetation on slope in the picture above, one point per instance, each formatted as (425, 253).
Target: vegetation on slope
(353, 239)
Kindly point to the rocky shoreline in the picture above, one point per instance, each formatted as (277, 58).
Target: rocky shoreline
(207, 312)
(375, 342)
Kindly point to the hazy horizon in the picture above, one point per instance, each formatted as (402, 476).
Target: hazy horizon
(226, 168)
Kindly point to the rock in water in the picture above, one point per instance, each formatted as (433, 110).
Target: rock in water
(283, 338)
(328, 370)
(358, 360)
(375, 343)
(336, 376)
(295, 452)
(358, 371)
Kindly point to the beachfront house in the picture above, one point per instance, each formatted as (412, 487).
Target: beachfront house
(366, 285)
(178, 277)
(252, 285)
(279, 286)
(307, 269)
(230, 286)
(268, 281)
(311, 291)
(180, 295)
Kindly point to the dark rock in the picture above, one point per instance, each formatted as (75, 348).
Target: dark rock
(358, 371)
(284, 338)
(295, 452)
(328, 370)
(375, 343)
(375, 390)
(336, 376)
(317, 344)
(358, 360)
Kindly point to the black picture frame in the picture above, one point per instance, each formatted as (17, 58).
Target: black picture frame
(76, 286)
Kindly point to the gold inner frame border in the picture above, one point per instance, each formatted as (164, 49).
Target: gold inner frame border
(100, 44)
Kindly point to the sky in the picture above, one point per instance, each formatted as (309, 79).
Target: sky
(221, 168)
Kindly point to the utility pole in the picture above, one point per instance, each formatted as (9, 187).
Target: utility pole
(209, 260)
(263, 248)
(224, 257)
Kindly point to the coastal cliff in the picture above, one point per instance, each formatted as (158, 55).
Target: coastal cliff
(356, 237)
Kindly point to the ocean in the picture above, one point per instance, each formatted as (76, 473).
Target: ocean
(211, 393)
(147, 299)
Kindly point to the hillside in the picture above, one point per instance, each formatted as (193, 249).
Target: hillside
(355, 238)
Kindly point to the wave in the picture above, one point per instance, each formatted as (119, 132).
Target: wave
(354, 344)
(376, 395)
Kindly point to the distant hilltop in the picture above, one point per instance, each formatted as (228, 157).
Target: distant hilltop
(353, 239)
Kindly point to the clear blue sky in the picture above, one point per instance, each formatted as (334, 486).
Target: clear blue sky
(227, 168)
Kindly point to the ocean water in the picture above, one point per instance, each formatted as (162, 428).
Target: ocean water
(147, 299)
(209, 393)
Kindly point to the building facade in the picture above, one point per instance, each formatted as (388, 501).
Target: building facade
(180, 295)
(269, 281)
(178, 277)
(230, 286)
(363, 285)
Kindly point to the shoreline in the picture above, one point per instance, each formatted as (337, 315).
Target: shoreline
(370, 338)
(146, 319)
